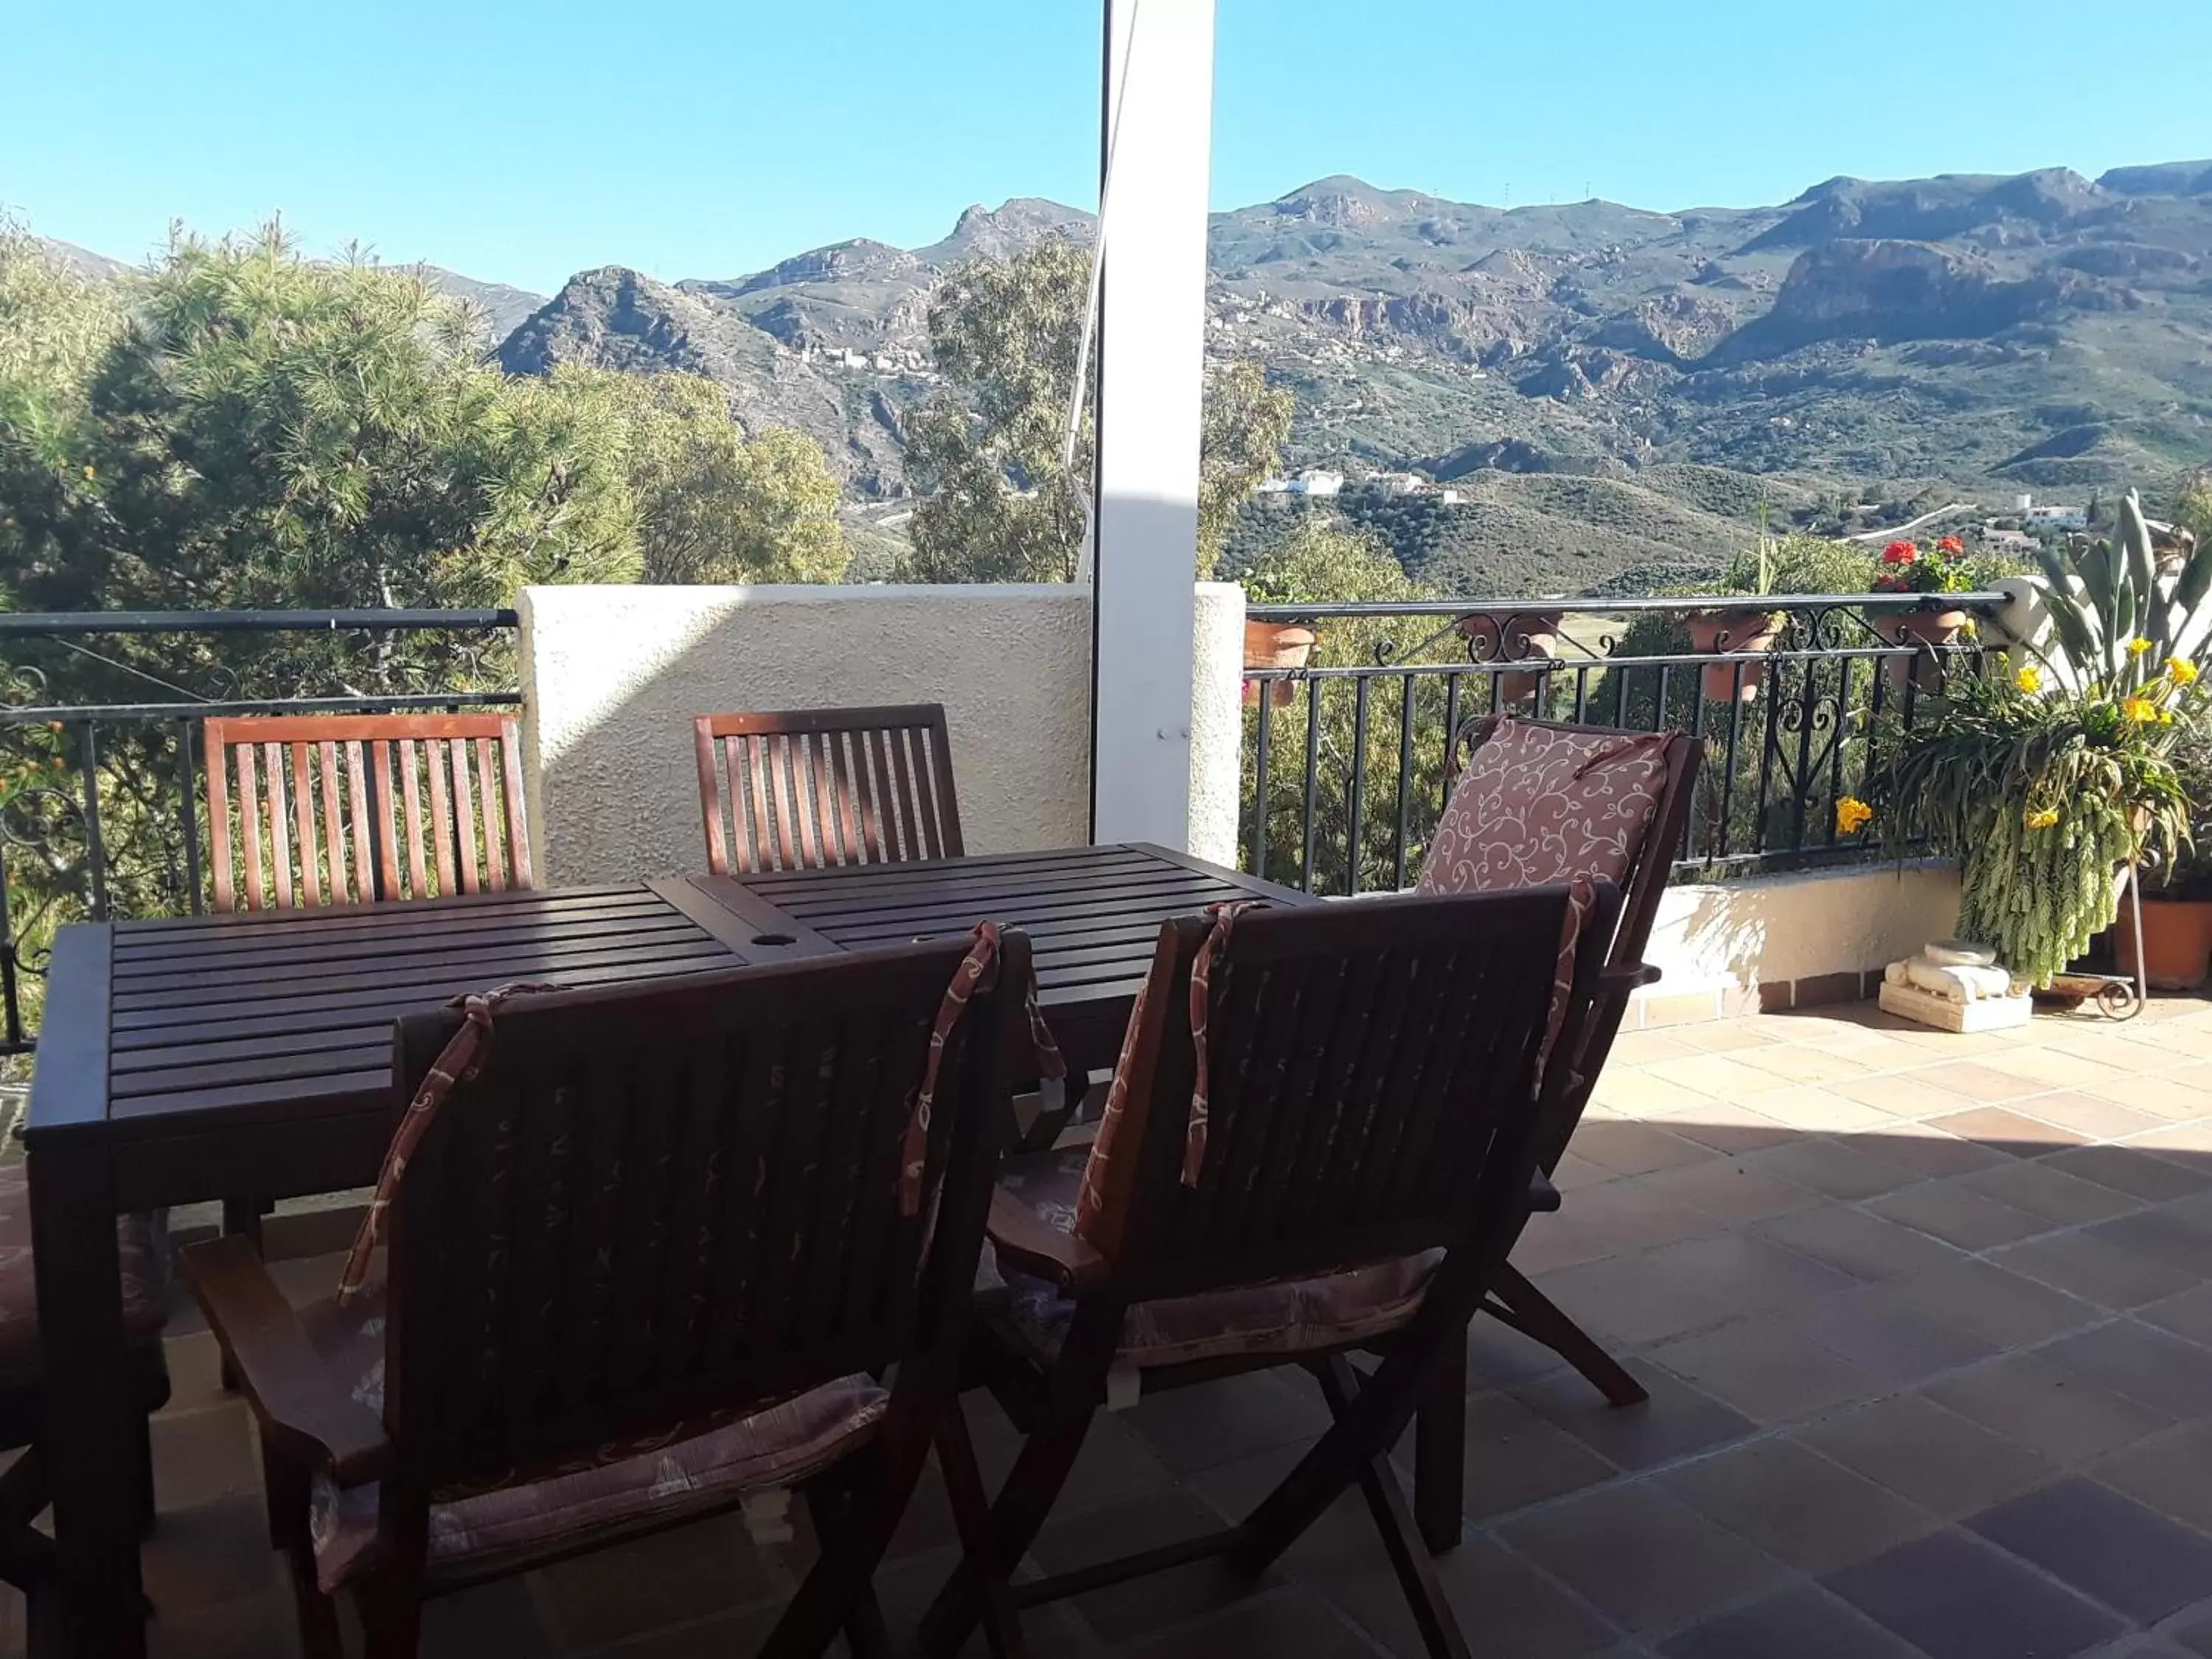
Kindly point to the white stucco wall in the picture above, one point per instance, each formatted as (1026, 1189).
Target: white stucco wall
(1217, 719)
(1738, 935)
(611, 677)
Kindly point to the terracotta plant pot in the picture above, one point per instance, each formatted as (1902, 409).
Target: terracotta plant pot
(2176, 942)
(1514, 637)
(1275, 645)
(1736, 633)
(1928, 630)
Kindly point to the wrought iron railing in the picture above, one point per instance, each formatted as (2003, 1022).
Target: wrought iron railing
(101, 811)
(1345, 757)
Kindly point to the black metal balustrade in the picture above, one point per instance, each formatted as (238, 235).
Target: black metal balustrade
(1345, 758)
(102, 808)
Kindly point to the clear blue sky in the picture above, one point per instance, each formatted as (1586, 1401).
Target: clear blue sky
(520, 140)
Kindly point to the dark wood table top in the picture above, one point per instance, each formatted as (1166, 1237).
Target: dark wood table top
(154, 1027)
(1093, 915)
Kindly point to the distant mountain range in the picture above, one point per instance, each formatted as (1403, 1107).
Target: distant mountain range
(1967, 332)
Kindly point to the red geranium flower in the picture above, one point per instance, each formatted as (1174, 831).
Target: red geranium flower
(1899, 553)
(1951, 545)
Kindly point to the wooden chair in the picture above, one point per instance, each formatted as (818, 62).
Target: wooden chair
(1634, 849)
(807, 788)
(1337, 1158)
(321, 801)
(26, 1555)
(645, 1264)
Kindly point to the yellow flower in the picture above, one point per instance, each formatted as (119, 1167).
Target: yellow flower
(88, 472)
(1852, 815)
(2181, 671)
(2166, 717)
(2040, 820)
(2138, 646)
(2139, 709)
(2029, 680)
(1970, 629)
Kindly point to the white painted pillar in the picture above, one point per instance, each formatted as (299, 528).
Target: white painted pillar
(1160, 54)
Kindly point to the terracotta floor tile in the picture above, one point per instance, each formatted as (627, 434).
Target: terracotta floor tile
(2009, 1131)
(1642, 1559)
(1797, 1062)
(2144, 1364)
(2050, 1066)
(1860, 1243)
(2098, 1270)
(2088, 1115)
(1803, 1621)
(1976, 1295)
(2188, 1314)
(1727, 1126)
(1514, 1458)
(1731, 1190)
(1958, 1215)
(1636, 1148)
(1721, 1076)
(2046, 1409)
(1953, 1596)
(1905, 1095)
(1875, 1332)
(2031, 1184)
(1630, 1215)
(1628, 1089)
(1641, 1048)
(1924, 1150)
(2144, 1174)
(2170, 1472)
(1565, 1238)
(1796, 1505)
(1839, 1166)
(1971, 1081)
(1768, 1371)
(1675, 1422)
(2180, 1095)
(1575, 1170)
(1812, 1109)
(2186, 1144)
(1722, 1036)
(1636, 1303)
(2105, 1545)
(1931, 1456)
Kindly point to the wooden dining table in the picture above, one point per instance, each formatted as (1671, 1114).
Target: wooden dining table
(195, 1059)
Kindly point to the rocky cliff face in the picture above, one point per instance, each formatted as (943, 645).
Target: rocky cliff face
(1864, 328)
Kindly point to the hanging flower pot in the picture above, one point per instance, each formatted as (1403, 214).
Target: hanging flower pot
(1732, 633)
(1927, 630)
(1513, 637)
(1275, 645)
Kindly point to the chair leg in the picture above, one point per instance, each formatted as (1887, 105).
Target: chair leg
(839, 1593)
(241, 1219)
(1529, 1311)
(1440, 1454)
(1051, 1122)
(971, 1516)
(830, 1507)
(1024, 1502)
(392, 1619)
(143, 1473)
(318, 1615)
(1386, 1504)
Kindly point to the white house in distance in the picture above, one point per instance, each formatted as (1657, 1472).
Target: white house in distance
(2051, 517)
(1317, 480)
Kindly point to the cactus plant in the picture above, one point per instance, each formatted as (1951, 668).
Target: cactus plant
(2104, 598)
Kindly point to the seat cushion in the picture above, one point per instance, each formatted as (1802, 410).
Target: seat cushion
(624, 1486)
(148, 1263)
(1287, 1316)
(1538, 806)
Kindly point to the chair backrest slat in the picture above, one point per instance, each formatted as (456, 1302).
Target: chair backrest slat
(270, 780)
(812, 788)
(652, 1202)
(1364, 1063)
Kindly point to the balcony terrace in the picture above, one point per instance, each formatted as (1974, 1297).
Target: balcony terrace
(1926, 1320)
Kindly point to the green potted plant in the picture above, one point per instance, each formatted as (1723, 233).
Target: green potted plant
(2051, 783)
(1906, 567)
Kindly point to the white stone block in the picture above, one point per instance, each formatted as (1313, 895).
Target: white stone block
(1948, 1014)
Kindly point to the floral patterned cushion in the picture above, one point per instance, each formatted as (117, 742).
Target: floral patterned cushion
(694, 1466)
(1287, 1316)
(148, 1272)
(1538, 806)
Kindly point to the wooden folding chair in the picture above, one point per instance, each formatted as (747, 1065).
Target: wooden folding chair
(802, 789)
(647, 1262)
(1321, 1138)
(1630, 793)
(315, 809)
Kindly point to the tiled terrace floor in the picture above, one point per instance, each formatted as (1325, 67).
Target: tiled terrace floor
(1927, 1322)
